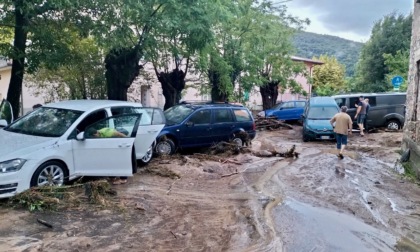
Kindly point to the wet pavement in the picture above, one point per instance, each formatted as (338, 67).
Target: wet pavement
(313, 203)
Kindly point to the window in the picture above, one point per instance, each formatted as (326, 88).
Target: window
(201, 117)
(340, 102)
(353, 102)
(222, 115)
(300, 104)
(288, 105)
(372, 101)
(48, 122)
(322, 113)
(242, 115)
(177, 114)
(113, 127)
(91, 119)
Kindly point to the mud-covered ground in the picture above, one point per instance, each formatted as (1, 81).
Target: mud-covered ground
(244, 203)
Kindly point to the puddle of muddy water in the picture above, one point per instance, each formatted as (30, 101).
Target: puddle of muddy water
(307, 228)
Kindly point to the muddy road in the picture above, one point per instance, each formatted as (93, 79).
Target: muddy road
(244, 203)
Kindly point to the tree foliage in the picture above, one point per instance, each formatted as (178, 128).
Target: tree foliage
(397, 64)
(252, 49)
(389, 35)
(328, 79)
(82, 77)
(311, 45)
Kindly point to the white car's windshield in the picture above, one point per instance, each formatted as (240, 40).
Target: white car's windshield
(48, 122)
(177, 114)
(322, 113)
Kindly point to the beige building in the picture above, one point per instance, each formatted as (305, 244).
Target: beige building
(150, 94)
(147, 90)
(411, 139)
(28, 99)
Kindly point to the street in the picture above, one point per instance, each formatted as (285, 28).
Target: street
(315, 202)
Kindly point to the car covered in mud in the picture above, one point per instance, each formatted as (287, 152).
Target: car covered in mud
(65, 140)
(201, 125)
(316, 119)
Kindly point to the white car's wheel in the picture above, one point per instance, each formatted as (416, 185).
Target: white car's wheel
(51, 173)
(148, 157)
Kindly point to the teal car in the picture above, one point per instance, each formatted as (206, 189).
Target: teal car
(316, 119)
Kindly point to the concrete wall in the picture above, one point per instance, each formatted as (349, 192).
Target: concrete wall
(411, 138)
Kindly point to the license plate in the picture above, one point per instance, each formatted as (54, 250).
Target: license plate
(325, 137)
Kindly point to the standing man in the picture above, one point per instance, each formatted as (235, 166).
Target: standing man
(367, 114)
(361, 114)
(343, 127)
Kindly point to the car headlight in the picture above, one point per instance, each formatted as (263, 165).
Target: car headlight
(11, 165)
(262, 113)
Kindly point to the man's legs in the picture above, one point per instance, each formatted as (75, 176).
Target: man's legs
(360, 121)
(341, 144)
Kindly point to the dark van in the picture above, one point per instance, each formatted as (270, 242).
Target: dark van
(386, 109)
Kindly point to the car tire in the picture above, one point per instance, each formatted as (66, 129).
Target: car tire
(305, 138)
(148, 157)
(238, 141)
(393, 124)
(165, 147)
(48, 171)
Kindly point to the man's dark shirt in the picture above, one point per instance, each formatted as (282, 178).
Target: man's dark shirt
(363, 105)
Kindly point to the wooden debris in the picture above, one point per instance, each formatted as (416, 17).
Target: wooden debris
(44, 223)
(228, 175)
(270, 123)
(170, 187)
(273, 153)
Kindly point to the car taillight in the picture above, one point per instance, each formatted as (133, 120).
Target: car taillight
(253, 126)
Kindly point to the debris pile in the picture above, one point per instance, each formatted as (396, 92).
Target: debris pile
(161, 170)
(270, 123)
(58, 197)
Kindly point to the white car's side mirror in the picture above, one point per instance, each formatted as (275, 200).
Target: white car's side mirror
(3, 123)
(80, 136)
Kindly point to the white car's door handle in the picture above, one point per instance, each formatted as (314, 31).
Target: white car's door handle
(152, 131)
(124, 145)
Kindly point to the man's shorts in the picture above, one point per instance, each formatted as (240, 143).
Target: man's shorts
(341, 140)
(361, 119)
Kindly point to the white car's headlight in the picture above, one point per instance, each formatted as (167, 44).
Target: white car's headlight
(11, 165)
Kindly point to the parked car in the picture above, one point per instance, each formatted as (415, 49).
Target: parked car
(201, 125)
(287, 111)
(58, 142)
(386, 109)
(316, 119)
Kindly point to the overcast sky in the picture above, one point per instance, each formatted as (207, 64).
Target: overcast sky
(350, 19)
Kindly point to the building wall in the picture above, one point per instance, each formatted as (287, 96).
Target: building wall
(4, 81)
(411, 138)
(28, 98)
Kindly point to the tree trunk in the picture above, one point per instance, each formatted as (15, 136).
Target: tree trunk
(269, 93)
(172, 85)
(217, 94)
(122, 68)
(18, 65)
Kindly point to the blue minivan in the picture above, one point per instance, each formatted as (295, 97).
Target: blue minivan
(201, 125)
(287, 111)
(316, 119)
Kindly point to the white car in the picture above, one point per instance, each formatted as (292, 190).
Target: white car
(59, 142)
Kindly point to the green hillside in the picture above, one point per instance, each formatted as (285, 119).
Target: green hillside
(313, 45)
